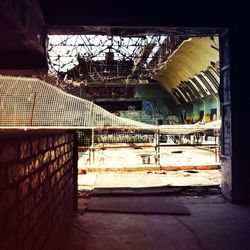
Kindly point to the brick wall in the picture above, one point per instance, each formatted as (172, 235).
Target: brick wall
(37, 189)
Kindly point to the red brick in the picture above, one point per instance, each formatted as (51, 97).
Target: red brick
(64, 158)
(3, 181)
(56, 165)
(8, 153)
(58, 152)
(26, 167)
(8, 198)
(70, 146)
(60, 161)
(61, 139)
(43, 143)
(14, 218)
(53, 181)
(53, 154)
(25, 150)
(50, 142)
(29, 242)
(71, 154)
(39, 161)
(39, 194)
(43, 236)
(56, 141)
(50, 168)
(35, 146)
(46, 157)
(34, 180)
(66, 147)
(51, 209)
(2, 226)
(9, 243)
(58, 176)
(15, 172)
(71, 137)
(23, 230)
(52, 196)
(32, 165)
(43, 175)
(39, 226)
(54, 193)
(46, 186)
(37, 229)
(60, 185)
(62, 150)
(66, 137)
(28, 204)
(48, 245)
(23, 188)
(49, 198)
(62, 171)
(33, 217)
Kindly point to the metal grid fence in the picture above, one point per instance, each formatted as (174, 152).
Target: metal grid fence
(33, 102)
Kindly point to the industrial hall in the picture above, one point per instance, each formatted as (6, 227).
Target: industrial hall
(123, 126)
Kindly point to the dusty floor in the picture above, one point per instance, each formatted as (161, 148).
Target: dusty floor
(214, 223)
(169, 156)
(150, 179)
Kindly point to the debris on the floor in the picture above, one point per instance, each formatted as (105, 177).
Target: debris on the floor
(191, 171)
(177, 152)
(82, 171)
(157, 172)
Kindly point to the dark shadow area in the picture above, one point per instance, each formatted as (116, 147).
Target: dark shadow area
(157, 191)
(147, 200)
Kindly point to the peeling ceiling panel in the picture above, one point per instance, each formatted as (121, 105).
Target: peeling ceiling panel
(193, 56)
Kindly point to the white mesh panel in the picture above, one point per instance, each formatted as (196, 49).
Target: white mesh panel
(27, 102)
(52, 106)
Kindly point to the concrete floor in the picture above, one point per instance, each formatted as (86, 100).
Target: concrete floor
(213, 224)
(169, 156)
(149, 179)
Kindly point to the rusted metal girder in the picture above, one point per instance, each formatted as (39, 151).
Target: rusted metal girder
(141, 60)
(131, 30)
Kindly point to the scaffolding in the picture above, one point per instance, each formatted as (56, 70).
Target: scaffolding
(151, 145)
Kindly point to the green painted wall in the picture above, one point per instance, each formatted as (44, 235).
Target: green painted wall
(164, 106)
(207, 105)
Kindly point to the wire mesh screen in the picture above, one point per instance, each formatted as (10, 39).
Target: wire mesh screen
(115, 136)
(132, 136)
(33, 102)
(29, 102)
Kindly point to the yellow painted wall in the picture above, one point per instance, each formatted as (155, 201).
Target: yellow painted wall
(193, 56)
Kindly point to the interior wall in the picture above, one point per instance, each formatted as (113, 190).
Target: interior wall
(207, 105)
(157, 104)
(36, 189)
(189, 15)
(239, 173)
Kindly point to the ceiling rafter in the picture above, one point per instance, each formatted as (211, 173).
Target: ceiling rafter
(93, 58)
